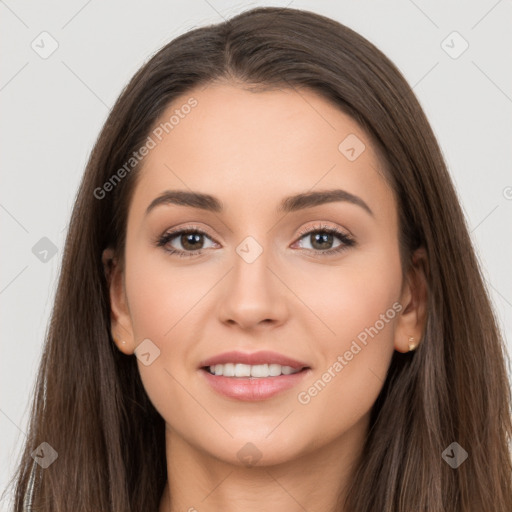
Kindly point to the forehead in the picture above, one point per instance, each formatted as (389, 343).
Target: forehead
(256, 147)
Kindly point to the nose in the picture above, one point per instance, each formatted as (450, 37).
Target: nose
(254, 295)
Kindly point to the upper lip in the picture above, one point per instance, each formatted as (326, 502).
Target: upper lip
(262, 357)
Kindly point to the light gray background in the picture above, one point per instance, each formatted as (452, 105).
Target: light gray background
(53, 109)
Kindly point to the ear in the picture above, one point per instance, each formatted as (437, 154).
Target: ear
(413, 317)
(120, 319)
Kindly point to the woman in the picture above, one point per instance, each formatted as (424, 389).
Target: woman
(269, 299)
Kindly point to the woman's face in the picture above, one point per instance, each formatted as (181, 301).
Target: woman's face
(264, 178)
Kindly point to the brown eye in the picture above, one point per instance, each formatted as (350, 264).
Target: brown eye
(191, 241)
(321, 240)
(184, 242)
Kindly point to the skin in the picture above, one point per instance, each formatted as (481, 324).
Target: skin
(251, 150)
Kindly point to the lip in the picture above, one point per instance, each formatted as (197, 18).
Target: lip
(262, 357)
(251, 389)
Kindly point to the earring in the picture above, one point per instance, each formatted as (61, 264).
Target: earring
(115, 340)
(412, 345)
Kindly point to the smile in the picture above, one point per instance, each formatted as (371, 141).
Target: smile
(257, 371)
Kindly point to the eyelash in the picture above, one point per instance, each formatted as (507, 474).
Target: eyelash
(347, 240)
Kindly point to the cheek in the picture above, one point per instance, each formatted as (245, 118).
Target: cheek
(359, 304)
(348, 299)
(162, 301)
(160, 295)
(170, 303)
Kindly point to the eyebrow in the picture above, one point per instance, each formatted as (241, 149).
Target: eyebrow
(289, 204)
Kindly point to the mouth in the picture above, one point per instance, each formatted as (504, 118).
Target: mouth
(252, 377)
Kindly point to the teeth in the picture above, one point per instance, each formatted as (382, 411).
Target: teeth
(246, 370)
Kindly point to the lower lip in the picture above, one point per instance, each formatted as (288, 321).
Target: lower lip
(253, 389)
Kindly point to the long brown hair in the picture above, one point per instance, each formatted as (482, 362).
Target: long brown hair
(89, 403)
